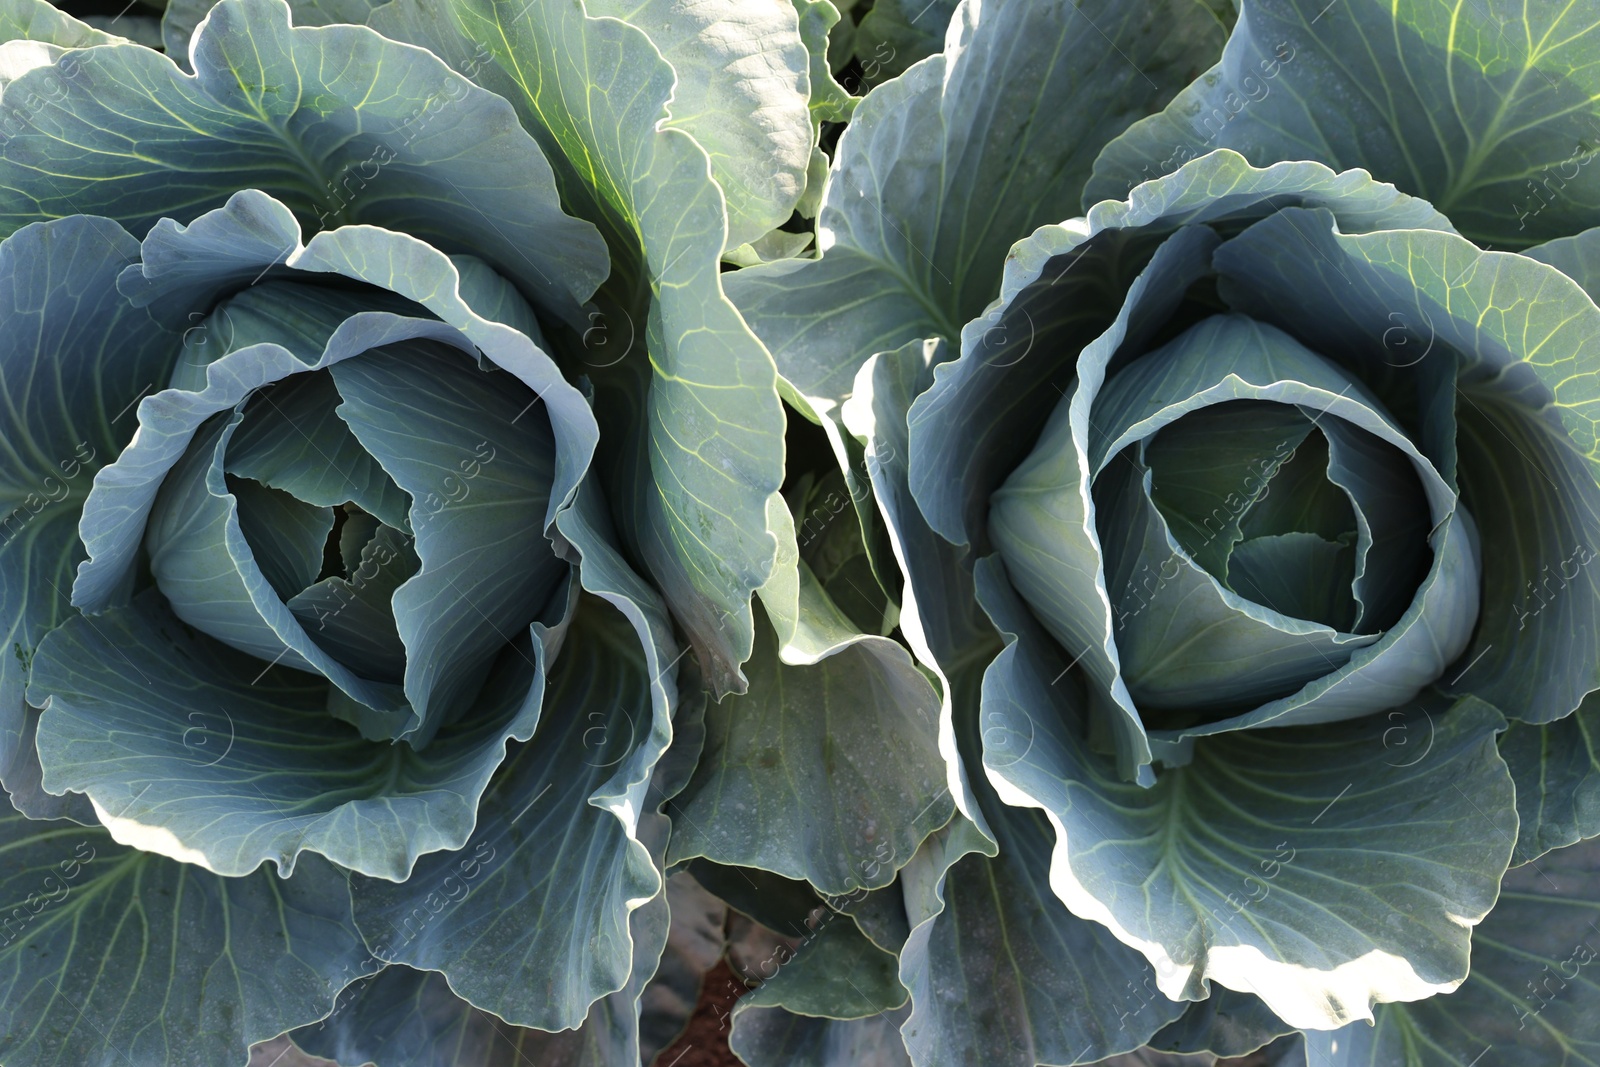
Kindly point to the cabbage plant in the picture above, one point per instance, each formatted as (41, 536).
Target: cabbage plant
(1246, 505)
(1080, 553)
(383, 457)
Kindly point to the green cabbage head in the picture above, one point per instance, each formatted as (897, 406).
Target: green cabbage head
(1249, 518)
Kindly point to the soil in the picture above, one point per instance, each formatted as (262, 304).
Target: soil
(705, 1042)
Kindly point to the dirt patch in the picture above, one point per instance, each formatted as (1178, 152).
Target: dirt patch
(705, 1042)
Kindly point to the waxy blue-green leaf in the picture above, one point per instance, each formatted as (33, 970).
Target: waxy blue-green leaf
(132, 693)
(894, 34)
(34, 20)
(285, 535)
(1072, 295)
(207, 571)
(1557, 770)
(1226, 1023)
(1066, 285)
(413, 1017)
(1533, 992)
(1262, 363)
(296, 442)
(743, 93)
(1577, 256)
(569, 826)
(777, 1037)
(1392, 526)
(943, 420)
(830, 101)
(1214, 466)
(1484, 109)
(697, 449)
(111, 956)
(1173, 620)
(35, 34)
(234, 243)
(943, 168)
(834, 972)
(1527, 407)
(402, 1015)
(529, 919)
(825, 996)
(476, 454)
(353, 616)
(74, 357)
(182, 17)
(940, 617)
(828, 770)
(943, 621)
(1252, 866)
(1005, 974)
(340, 124)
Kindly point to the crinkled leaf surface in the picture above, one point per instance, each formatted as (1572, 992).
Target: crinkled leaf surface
(1484, 109)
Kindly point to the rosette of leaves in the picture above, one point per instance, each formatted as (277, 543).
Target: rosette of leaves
(312, 550)
(402, 423)
(1248, 734)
